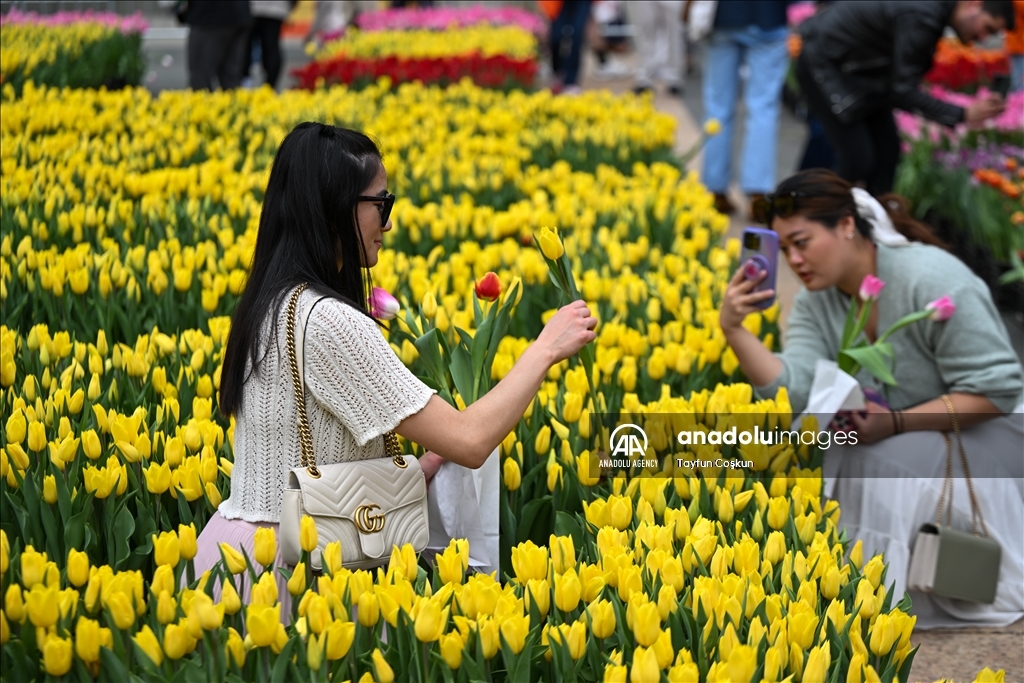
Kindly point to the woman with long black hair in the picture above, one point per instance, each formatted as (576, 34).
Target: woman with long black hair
(325, 212)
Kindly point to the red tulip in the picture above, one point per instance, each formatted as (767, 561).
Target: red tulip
(488, 287)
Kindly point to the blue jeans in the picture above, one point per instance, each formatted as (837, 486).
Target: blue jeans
(567, 31)
(1017, 73)
(767, 59)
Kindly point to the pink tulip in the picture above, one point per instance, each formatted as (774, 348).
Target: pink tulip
(870, 288)
(382, 305)
(941, 309)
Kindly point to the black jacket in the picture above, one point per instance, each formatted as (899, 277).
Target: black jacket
(867, 55)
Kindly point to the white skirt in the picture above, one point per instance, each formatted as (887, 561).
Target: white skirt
(887, 490)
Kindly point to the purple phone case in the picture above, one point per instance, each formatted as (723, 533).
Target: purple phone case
(767, 258)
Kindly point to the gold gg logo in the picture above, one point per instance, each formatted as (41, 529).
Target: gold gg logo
(366, 521)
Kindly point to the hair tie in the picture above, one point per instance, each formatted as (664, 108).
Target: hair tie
(882, 229)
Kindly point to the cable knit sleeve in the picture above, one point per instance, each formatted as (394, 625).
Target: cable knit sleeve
(355, 375)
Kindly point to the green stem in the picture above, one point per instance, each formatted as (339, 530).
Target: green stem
(903, 322)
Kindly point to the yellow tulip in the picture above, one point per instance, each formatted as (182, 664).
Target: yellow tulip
(36, 436)
(451, 650)
(158, 477)
(297, 582)
(857, 554)
(538, 594)
(177, 641)
(42, 605)
(645, 666)
(567, 590)
(166, 608)
(563, 553)
(235, 647)
(187, 541)
(120, 606)
(381, 669)
(318, 614)
(529, 562)
(368, 609)
(340, 635)
(542, 443)
(511, 475)
(57, 655)
(778, 512)
(14, 606)
(166, 549)
(830, 583)
(234, 559)
(331, 558)
(550, 244)
(261, 621)
(514, 630)
(873, 570)
(16, 427)
(816, 667)
(308, 538)
(78, 567)
(430, 620)
(88, 639)
(91, 444)
(883, 635)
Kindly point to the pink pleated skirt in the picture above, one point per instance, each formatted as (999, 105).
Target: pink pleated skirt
(239, 534)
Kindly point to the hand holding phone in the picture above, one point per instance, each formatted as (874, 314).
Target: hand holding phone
(1001, 85)
(760, 253)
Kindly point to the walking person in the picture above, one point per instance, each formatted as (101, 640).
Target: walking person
(751, 33)
(660, 44)
(860, 60)
(217, 39)
(568, 24)
(268, 18)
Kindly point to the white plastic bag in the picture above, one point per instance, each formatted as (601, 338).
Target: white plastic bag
(702, 19)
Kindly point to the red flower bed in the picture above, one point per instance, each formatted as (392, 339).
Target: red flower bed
(498, 71)
(962, 67)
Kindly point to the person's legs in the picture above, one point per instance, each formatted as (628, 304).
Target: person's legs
(579, 12)
(721, 84)
(270, 45)
(882, 127)
(236, 39)
(1016, 73)
(767, 59)
(205, 46)
(672, 70)
(558, 26)
(853, 145)
(643, 16)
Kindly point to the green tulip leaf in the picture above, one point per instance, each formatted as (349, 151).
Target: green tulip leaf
(874, 360)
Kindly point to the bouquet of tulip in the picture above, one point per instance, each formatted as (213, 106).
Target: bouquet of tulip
(878, 358)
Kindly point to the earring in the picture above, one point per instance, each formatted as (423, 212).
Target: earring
(849, 236)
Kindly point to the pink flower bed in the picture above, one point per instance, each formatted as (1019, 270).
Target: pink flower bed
(1012, 119)
(446, 17)
(133, 23)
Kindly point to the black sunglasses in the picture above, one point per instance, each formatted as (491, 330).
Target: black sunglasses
(387, 202)
(772, 205)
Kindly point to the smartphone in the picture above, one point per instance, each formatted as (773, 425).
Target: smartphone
(760, 251)
(1001, 84)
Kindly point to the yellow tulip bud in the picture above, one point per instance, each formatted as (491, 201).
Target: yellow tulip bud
(452, 647)
(78, 567)
(308, 538)
(235, 560)
(147, 642)
(187, 541)
(381, 669)
(166, 549)
(297, 582)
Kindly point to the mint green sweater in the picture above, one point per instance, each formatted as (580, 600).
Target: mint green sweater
(970, 352)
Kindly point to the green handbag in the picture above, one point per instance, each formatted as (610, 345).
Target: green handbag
(951, 563)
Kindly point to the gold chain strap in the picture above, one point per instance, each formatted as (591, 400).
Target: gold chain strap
(976, 516)
(308, 458)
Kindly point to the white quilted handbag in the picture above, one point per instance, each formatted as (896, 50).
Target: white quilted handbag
(368, 505)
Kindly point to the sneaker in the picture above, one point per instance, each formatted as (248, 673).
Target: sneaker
(572, 90)
(724, 205)
(611, 69)
(641, 89)
(675, 90)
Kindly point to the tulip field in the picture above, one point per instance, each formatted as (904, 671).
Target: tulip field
(126, 234)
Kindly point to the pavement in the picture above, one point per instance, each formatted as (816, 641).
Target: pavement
(954, 654)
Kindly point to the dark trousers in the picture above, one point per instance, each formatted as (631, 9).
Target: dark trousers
(567, 30)
(267, 32)
(867, 151)
(216, 52)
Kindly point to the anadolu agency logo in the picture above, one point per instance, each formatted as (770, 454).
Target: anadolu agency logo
(628, 446)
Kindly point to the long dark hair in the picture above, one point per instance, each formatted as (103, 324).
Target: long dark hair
(309, 205)
(823, 196)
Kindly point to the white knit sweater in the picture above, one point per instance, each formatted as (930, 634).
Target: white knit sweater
(356, 390)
